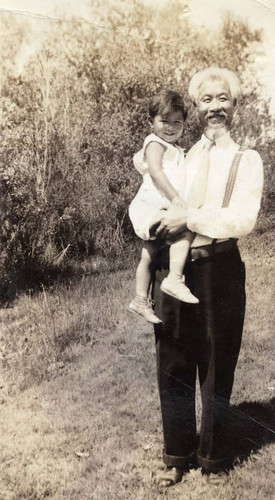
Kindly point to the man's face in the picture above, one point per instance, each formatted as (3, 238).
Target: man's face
(215, 104)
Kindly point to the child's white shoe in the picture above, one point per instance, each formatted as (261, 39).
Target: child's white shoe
(178, 290)
(144, 308)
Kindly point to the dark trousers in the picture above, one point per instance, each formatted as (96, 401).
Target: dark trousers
(204, 337)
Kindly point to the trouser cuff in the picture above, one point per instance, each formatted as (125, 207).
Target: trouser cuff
(214, 465)
(176, 461)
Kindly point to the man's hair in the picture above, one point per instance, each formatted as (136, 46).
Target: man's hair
(214, 74)
(165, 102)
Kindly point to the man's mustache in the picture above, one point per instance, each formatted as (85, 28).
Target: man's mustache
(214, 115)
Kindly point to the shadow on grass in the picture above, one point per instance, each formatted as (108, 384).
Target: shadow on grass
(33, 279)
(252, 425)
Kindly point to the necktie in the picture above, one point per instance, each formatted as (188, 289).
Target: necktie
(198, 189)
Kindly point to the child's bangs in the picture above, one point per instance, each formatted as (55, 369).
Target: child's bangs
(165, 109)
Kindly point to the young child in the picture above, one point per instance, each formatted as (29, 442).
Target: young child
(160, 162)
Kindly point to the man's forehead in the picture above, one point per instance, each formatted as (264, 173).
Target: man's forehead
(217, 86)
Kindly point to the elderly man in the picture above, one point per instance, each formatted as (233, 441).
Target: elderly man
(207, 336)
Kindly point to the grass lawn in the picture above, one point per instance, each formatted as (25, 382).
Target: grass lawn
(79, 407)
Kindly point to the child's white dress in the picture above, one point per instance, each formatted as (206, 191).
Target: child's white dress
(149, 200)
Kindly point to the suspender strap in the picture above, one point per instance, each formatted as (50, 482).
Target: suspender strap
(230, 183)
(232, 177)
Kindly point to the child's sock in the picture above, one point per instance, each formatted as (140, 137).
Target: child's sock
(174, 276)
(141, 299)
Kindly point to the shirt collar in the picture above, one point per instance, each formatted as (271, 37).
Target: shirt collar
(153, 137)
(222, 142)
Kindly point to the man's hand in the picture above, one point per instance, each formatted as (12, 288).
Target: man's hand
(173, 223)
(156, 222)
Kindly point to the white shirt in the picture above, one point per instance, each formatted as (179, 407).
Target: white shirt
(172, 163)
(238, 219)
(149, 200)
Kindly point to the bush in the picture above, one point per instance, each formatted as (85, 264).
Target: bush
(76, 114)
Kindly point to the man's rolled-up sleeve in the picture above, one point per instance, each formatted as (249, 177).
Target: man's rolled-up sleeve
(239, 218)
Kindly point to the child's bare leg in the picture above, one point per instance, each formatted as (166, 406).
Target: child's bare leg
(174, 283)
(178, 254)
(140, 303)
(143, 273)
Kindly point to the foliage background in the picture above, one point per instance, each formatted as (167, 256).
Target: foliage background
(74, 112)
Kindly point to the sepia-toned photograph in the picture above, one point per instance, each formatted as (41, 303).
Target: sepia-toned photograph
(137, 249)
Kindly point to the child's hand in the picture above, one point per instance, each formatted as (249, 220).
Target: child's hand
(178, 202)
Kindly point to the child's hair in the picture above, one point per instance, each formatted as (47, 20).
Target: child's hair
(165, 102)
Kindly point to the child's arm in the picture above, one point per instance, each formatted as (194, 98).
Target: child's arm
(154, 156)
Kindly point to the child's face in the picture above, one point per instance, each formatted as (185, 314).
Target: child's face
(168, 127)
